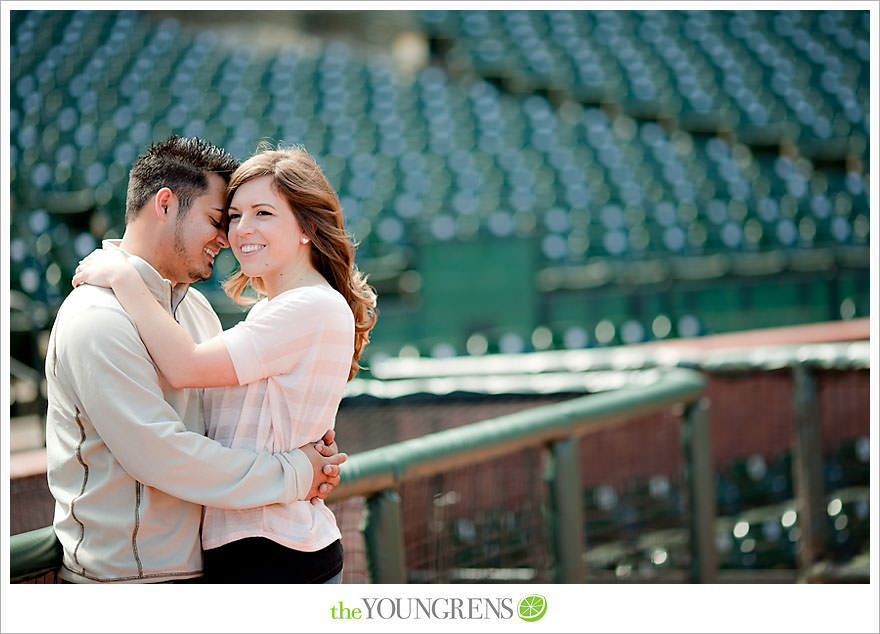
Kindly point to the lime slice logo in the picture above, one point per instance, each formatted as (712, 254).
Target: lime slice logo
(532, 607)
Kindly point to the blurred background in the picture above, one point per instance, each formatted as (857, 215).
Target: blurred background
(518, 181)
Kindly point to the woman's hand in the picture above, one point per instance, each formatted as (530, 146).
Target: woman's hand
(101, 268)
(325, 458)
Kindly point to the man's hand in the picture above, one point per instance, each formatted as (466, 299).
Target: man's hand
(325, 458)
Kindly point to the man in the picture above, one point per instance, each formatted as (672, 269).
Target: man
(128, 463)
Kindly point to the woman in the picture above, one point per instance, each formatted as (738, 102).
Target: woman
(286, 364)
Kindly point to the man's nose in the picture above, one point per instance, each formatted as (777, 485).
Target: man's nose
(222, 239)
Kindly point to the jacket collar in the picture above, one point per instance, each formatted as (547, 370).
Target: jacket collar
(168, 294)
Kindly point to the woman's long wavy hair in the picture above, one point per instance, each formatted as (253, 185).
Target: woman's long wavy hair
(297, 177)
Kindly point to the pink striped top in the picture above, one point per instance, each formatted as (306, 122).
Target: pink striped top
(292, 356)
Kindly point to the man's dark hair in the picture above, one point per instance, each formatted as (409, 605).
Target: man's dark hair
(182, 165)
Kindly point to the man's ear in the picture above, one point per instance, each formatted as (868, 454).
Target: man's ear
(163, 199)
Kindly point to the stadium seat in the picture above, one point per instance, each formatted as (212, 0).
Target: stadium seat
(749, 477)
(656, 501)
(602, 514)
(848, 464)
(624, 135)
(848, 526)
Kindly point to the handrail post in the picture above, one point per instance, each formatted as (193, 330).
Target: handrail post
(383, 538)
(807, 468)
(699, 479)
(566, 513)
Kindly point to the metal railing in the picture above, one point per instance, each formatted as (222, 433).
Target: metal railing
(34, 554)
(802, 361)
(376, 474)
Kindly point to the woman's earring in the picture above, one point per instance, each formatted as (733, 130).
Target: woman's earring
(304, 240)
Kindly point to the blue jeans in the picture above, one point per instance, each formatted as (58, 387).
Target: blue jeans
(335, 579)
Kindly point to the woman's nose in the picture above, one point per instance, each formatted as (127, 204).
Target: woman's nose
(241, 227)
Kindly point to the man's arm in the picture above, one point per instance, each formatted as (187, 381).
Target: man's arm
(109, 370)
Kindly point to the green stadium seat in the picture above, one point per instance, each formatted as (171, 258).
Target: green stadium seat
(749, 476)
(595, 134)
(848, 526)
(779, 478)
(663, 550)
(656, 501)
(850, 463)
(603, 519)
(728, 496)
(763, 538)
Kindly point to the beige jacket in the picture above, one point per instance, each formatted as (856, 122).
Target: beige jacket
(128, 463)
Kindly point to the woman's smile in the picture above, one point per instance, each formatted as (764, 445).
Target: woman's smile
(250, 248)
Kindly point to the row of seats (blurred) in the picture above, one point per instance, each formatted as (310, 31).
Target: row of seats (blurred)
(637, 531)
(749, 70)
(587, 133)
(432, 159)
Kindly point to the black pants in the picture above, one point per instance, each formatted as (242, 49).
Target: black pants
(261, 560)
